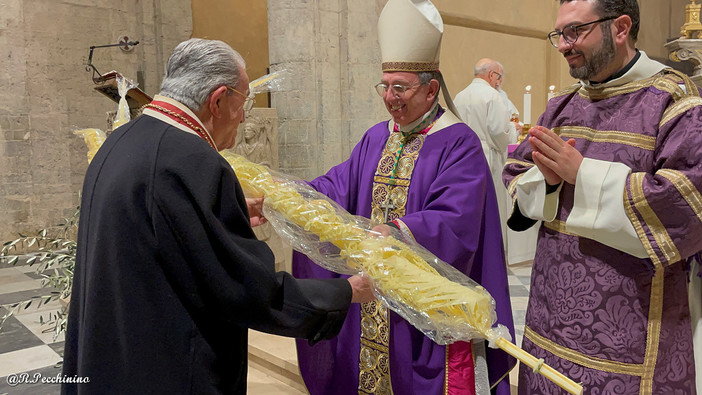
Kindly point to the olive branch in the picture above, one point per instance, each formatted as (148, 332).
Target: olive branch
(54, 254)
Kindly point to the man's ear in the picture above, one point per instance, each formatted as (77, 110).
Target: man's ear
(433, 90)
(215, 102)
(622, 27)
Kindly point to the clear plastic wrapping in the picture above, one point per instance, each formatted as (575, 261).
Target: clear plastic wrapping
(273, 82)
(123, 86)
(437, 299)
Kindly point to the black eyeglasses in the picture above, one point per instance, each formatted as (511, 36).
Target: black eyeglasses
(570, 33)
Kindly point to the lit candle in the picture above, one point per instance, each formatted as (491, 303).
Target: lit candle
(527, 105)
(551, 92)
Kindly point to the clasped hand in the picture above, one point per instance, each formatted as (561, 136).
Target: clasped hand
(255, 206)
(557, 160)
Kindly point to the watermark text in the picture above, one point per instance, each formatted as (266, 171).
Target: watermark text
(34, 378)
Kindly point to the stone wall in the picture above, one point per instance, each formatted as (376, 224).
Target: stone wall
(47, 93)
(331, 47)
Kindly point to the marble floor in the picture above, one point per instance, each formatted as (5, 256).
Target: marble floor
(27, 348)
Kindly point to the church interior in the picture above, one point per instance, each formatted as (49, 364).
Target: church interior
(329, 59)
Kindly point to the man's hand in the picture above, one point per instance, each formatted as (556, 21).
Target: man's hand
(557, 160)
(382, 230)
(255, 206)
(362, 289)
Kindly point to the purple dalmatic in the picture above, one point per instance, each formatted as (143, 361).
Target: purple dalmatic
(617, 323)
(450, 209)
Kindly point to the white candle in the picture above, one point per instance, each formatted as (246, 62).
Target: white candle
(527, 105)
(551, 92)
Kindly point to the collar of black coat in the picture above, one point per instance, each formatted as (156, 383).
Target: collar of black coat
(179, 116)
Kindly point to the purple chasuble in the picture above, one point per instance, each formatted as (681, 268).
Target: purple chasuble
(617, 323)
(451, 210)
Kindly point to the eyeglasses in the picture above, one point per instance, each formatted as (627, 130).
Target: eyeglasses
(399, 89)
(499, 76)
(570, 33)
(248, 101)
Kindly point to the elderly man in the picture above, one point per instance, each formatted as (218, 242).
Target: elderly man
(424, 173)
(613, 171)
(169, 275)
(482, 107)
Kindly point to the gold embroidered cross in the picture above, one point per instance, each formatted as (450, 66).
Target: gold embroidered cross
(387, 206)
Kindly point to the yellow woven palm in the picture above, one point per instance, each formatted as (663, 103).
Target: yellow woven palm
(397, 271)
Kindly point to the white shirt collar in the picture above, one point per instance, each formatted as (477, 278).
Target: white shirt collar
(645, 67)
(412, 125)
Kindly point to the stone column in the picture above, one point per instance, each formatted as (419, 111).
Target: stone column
(331, 50)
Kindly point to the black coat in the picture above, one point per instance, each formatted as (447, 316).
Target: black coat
(169, 275)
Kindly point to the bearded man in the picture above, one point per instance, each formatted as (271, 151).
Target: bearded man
(613, 171)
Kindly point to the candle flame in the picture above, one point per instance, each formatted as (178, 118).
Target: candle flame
(528, 88)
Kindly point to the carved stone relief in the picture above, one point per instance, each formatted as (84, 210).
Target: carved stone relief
(684, 49)
(257, 141)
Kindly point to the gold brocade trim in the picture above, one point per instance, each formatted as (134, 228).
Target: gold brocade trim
(669, 83)
(687, 189)
(660, 234)
(680, 107)
(666, 80)
(559, 226)
(629, 209)
(387, 180)
(446, 368)
(511, 161)
(606, 93)
(569, 90)
(607, 136)
(405, 230)
(390, 188)
(380, 347)
(653, 332)
(374, 358)
(397, 187)
(690, 87)
(632, 369)
(512, 188)
(410, 66)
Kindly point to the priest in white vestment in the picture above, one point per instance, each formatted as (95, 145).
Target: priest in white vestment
(482, 107)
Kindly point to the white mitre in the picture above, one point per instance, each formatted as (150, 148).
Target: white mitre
(409, 32)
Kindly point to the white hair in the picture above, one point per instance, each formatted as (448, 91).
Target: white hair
(486, 67)
(197, 67)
